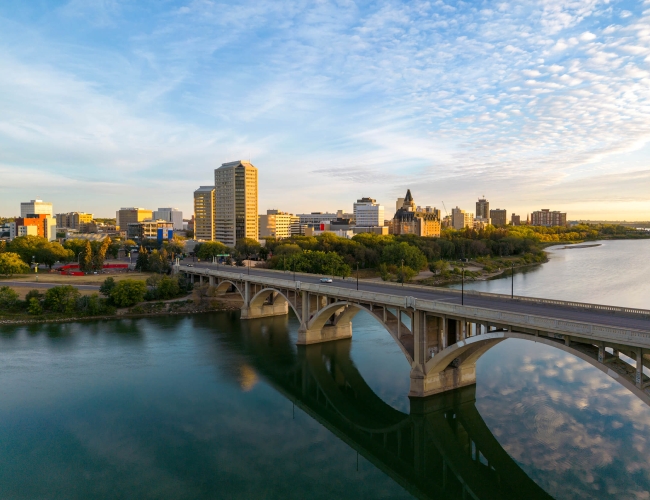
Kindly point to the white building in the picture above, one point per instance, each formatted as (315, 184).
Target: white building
(316, 218)
(173, 215)
(368, 213)
(461, 219)
(35, 207)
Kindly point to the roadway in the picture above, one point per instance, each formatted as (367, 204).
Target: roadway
(498, 303)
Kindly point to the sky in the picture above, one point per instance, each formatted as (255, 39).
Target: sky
(533, 104)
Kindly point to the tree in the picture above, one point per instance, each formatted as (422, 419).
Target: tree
(11, 263)
(8, 297)
(211, 249)
(52, 253)
(100, 255)
(107, 287)
(76, 245)
(168, 288)
(62, 299)
(3, 246)
(26, 246)
(412, 257)
(128, 293)
(157, 262)
(439, 266)
(34, 307)
(405, 274)
(142, 264)
(86, 258)
(248, 246)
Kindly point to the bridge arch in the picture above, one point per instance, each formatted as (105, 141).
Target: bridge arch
(277, 299)
(463, 355)
(223, 286)
(334, 321)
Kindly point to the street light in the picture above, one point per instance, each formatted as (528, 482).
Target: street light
(462, 289)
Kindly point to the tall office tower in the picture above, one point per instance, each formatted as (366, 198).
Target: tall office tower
(499, 217)
(461, 219)
(131, 214)
(483, 208)
(235, 185)
(173, 215)
(204, 213)
(368, 213)
(35, 207)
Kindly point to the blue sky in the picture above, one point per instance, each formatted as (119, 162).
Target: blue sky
(540, 104)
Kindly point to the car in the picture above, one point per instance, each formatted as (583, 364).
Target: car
(326, 280)
(190, 265)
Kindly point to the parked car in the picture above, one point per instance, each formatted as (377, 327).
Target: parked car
(326, 280)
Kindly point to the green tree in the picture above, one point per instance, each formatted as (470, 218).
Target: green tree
(405, 274)
(412, 257)
(100, 255)
(86, 258)
(158, 262)
(211, 249)
(107, 287)
(439, 266)
(168, 288)
(3, 246)
(34, 307)
(8, 297)
(248, 246)
(62, 299)
(11, 263)
(33, 294)
(26, 246)
(51, 253)
(142, 263)
(128, 293)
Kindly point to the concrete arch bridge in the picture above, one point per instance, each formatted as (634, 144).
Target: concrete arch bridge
(441, 334)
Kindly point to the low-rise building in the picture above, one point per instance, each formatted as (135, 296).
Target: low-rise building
(150, 229)
(315, 219)
(73, 220)
(499, 217)
(34, 225)
(545, 217)
(480, 223)
(124, 216)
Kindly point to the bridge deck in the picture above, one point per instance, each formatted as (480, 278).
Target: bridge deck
(493, 302)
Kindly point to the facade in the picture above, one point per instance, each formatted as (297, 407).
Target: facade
(236, 214)
(483, 208)
(204, 204)
(73, 220)
(173, 215)
(315, 219)
(35, 207)
(461, 219)
(124, 216)
(407, 220)
(515, 220)
(150, 229)
(480, 223)
(277, 224)
(368, 213)
(34, 225)
(545, 217)
(499, 217)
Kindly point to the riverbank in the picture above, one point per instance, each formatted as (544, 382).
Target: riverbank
(181, 306)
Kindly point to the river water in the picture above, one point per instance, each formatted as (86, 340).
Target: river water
(207, 406)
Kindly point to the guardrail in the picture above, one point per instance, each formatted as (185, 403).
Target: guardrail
(534, 300)
(593, 331)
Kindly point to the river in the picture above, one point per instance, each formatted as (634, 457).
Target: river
(208, 406)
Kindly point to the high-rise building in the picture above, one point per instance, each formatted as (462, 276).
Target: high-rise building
(131, 214)
(545, 217)
(515, 220)
(35, 207)
(499, 217)
(276, 224)
(73, 220)
(368, 213)
(34, 225)
(236, 214)
(407, 220)
(204, 213)
(483, 208)
(173, 215)
(461, 219)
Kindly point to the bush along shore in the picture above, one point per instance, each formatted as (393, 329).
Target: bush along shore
(158, 296)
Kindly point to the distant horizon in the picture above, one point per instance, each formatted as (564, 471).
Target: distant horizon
(535, 105)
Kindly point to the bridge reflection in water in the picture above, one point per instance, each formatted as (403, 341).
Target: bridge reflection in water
(441, 449)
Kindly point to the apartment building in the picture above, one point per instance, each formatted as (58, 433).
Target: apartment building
(545, 217)
(277, 224)
(236, 213)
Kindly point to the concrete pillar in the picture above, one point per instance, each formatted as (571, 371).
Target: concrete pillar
(601, 353)
(385, 317)
(211, 280)
(443, 333)
(305, 308)
(639, 367)
(567, 340)
(399, 323)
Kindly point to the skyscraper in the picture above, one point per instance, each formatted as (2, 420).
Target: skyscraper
(204, 213)
(483, 208)
(236, 217)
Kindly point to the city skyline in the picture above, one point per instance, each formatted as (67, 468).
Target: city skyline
(534, 106)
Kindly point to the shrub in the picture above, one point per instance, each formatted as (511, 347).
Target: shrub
(34, 307)
(107, 287)
(128, 292)
(62, 299)
(8, 297)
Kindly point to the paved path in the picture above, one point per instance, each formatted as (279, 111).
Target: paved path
(499, 303)
(40, 284)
